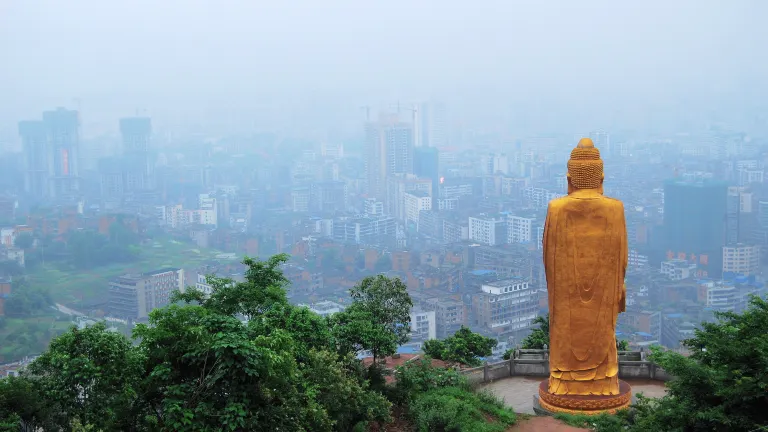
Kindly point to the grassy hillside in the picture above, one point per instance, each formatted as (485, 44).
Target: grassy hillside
(75, 288)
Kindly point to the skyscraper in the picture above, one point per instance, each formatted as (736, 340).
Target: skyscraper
(602, 141)
(51, 150)
(695, 222)
(426, 165)
(139, 170)
(430, 125)
(389, 151)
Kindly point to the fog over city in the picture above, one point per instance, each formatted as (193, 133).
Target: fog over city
(369, 215)
(533, 66)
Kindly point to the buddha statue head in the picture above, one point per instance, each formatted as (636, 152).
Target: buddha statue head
(585, 168)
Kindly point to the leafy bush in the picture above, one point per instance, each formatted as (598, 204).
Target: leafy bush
(539, 336)
(458, 409)
(464, 347)
(599, 423)
(420, 376)
(508, 354)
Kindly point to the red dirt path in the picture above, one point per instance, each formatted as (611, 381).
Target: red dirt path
(543, 424)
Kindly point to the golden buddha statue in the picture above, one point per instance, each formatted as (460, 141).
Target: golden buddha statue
(585, 260)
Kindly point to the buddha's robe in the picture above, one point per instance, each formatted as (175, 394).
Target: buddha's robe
(585, 260)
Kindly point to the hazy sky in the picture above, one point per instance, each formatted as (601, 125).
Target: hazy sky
(570, 63)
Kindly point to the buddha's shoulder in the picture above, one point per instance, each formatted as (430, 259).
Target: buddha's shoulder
(564, 201)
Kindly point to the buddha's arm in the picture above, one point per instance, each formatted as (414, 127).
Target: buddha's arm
(546, 247)
(624, 259)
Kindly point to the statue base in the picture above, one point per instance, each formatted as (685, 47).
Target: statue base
(547, 403)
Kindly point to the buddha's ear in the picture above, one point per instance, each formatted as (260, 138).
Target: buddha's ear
(570, 184)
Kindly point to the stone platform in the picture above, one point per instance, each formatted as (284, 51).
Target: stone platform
(546, 403)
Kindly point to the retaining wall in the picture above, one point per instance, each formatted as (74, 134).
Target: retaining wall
(535, 363)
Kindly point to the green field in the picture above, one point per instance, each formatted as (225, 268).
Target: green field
(20, 337)
(75, 288)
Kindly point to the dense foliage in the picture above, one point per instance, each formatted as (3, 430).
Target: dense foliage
(722, 386)
(26, 300)
(539, 337)
(463, 347)
(241, 359)
(438, 399)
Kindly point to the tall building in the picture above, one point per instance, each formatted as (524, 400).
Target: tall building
(396, 188)
(415, 202)
(520, 229)
(423, 324)
(134, 296)
(139, 170)
(732, 220)
(426, 165)
(430, 125)
(51, 153)
(328, 196)
(389, 151)
(695, 222)
(488, 230)
(602, 141)
(505, 307)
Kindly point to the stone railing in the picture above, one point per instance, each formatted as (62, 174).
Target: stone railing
(535, 363)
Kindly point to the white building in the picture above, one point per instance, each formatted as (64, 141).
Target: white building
(539, 198)
(678, 269)
(447, 203)
(415, 202)
(720, 296)
(423, 324)
(741, 259)
(506, 305)
(373, 207)
(300, 198)
(332, 150)
(488, 230)
(519, 229)
(325, 308)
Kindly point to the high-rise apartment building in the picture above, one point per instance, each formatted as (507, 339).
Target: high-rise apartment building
(328, 196)
(695, 222)
(741, 259)
(415, 202)
(520, 229)
(389, 151)
(51, 153)
(139, 169)
(134, 296)
(488, 230)
(430, 125)
(506, 306)
(396, 188)
(426, 165)
(602, 141)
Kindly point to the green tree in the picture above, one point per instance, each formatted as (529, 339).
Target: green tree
(539, 336)
(22, 406)
(722, 385)
(381, 314)
(273, 373)
(464, 347)
(24, 241)
(89, 374)
(209, 371)
(356, 329)
(623, 345)
(26, 300)
(263, 288)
